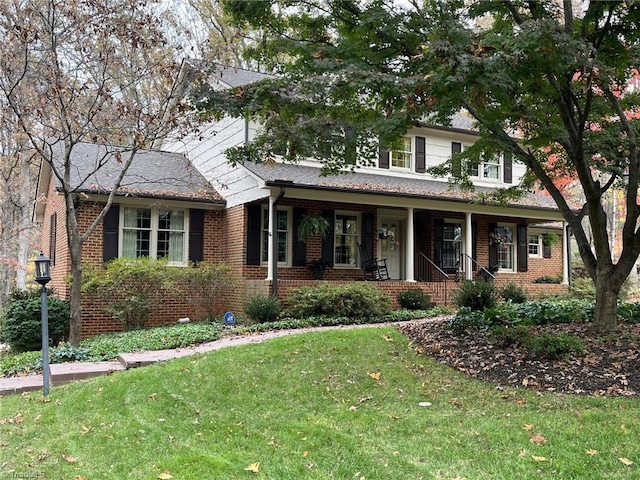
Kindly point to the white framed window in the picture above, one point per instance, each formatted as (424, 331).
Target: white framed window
(451, 244)
(282, 233)
(489, 168)
(346, 236)
(402, 158)
(506, 248)
(535, 245)
(154, 233)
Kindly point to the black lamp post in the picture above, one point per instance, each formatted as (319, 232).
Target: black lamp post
(43, 276)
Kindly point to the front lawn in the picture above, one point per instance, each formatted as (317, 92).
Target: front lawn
(343, 404)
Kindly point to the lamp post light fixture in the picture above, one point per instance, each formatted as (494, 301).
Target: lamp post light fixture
(43, 276)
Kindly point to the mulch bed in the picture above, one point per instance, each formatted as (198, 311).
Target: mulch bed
(610, 366)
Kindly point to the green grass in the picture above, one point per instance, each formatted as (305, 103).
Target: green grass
(309, 407)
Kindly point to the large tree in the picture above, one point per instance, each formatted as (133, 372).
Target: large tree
(75, 71)
(543, 79)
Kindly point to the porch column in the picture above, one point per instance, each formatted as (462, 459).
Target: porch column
(566, 252)
(468, 247)
(271, 250)
(409, 255)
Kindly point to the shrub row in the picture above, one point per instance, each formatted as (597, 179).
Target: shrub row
(544, 345)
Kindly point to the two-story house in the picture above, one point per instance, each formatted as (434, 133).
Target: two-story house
(431, 234)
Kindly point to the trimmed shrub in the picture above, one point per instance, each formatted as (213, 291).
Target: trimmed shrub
(464, 320)
(476, 295)
(513, 293)
(262, 309)
(352, 300)
(22, 327)
(413, 299)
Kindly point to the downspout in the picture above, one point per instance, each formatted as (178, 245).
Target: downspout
(273, 254)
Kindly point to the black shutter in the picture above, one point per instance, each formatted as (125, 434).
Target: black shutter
(196, 235)
(546, 251)
(421, 154)
(523, 248)
(438, 240)
(456, 162)
(493, 249)
(349, 146)
(254, 233)
(368, 233)
(383, 157)
(53, 235)
(299, 246)
(110, 227)
(328, 240)
(508, 168)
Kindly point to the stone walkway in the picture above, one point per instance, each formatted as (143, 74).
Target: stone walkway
(62, 373)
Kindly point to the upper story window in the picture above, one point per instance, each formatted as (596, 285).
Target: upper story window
(282, 233)
(402, 158)
(535, 245)
(346, 236)
(489, 168)
(154, 233)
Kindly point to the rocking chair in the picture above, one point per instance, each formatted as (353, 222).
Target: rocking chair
(373, 268)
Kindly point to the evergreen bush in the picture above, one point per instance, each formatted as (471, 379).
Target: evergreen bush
(22, 328)
(413, 299)
(476, 295)
(352, 300)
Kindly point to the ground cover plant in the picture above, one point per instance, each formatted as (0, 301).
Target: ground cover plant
(348, 404)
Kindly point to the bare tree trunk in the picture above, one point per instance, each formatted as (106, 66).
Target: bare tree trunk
(606, 308)
(75, 330)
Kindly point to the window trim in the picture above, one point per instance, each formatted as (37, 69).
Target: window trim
(410, 153)
(264, 217)
(476, 170)
(154, 228)
(539, 245)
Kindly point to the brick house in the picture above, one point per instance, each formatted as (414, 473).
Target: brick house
(430, 234)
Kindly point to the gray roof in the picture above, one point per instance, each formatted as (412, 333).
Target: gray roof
(309, 177)
(153, 173)
(235, 77)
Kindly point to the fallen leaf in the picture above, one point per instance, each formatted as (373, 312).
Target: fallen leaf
(165, 475)
(591, 451)
(539, 459)
(305, 454)
(375, 376)
(85, 429)
(254, 467)
(626, 461)
(528, 427)
(353, 408)
(387, 338)
(538, 439)
(70, 459)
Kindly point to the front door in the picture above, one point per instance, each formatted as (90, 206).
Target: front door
(390, 243)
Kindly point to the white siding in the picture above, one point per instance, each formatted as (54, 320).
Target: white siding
(205, 149)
